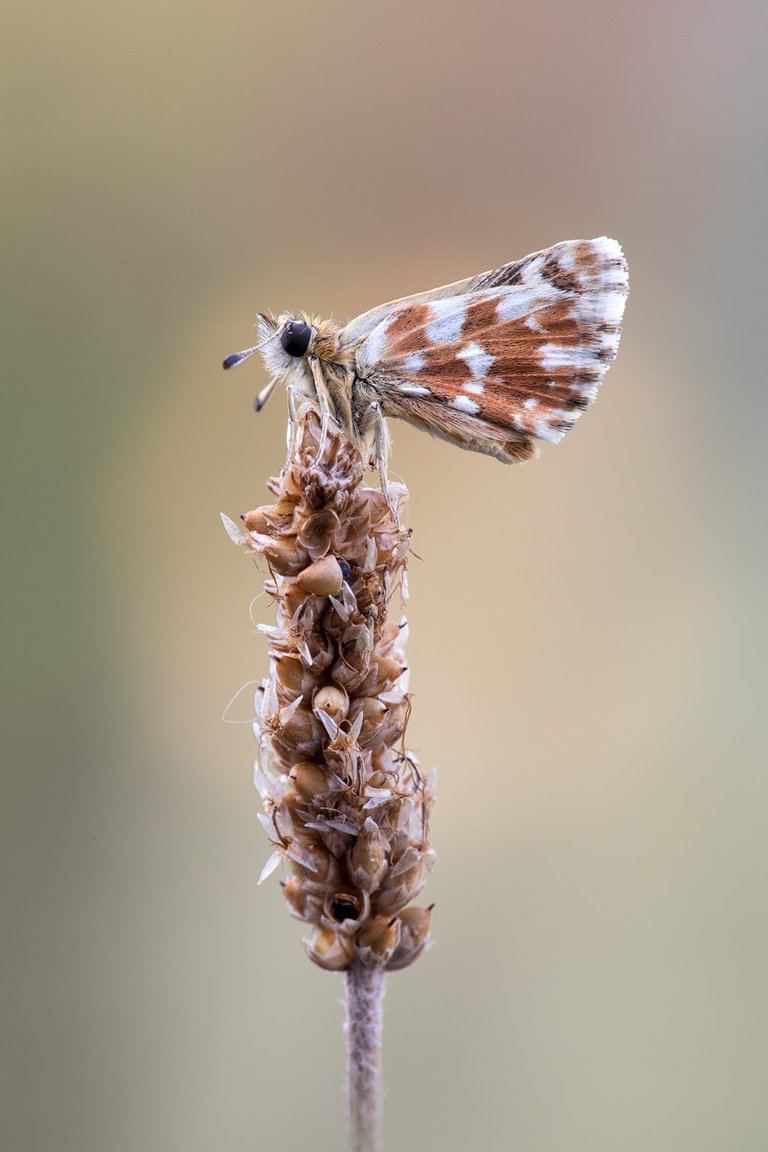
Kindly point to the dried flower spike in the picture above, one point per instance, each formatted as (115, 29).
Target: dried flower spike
(345, 806)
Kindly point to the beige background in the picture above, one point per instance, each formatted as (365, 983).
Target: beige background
(588, 632)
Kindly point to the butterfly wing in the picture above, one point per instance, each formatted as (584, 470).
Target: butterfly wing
(503, 359)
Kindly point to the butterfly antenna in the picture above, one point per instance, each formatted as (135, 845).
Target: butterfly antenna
(238, 357)
(260, 400)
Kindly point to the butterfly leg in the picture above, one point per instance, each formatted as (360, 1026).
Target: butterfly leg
(323, 400)
(381, 452)
(292, 390)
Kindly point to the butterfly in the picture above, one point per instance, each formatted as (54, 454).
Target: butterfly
(494, 363)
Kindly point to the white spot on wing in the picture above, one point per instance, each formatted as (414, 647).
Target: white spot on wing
(531, 274)
(477, 359)
(553, 356)
(531, 402)
(413, 363)
(517, 302)
(447, 320)
(413, 390)
(464, 404)
(474, 386)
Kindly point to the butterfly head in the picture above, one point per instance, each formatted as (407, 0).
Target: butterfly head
(284, 343)
(292, 334)
(287, 343)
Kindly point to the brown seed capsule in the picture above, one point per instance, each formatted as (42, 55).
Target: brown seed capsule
(309, 779)
(256, 521)
(281, 552)
(380, 937)
(303, 905)
(289, 673)
(300, 726)
(374, 713)
(328, 950)
(414, 937)
(332, 700)
(368, 858)
(322, 578)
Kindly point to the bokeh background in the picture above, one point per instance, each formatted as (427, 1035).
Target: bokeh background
(587, 633)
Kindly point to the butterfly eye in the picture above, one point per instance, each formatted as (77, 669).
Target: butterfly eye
(295, 338)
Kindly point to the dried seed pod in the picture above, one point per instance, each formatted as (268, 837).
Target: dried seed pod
(368, 859)
(302, 903)
(414, 936)
(328, 950)
(257, 520)
(333, 701)
(281, 552)
(323, 577)
(309, 780)
(289, 673)
(378, 940)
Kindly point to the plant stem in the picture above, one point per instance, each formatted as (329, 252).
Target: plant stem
(364, 1000)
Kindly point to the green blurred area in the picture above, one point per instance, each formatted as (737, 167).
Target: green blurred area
(587, 633)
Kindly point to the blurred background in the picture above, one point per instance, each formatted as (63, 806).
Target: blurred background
(587, 632)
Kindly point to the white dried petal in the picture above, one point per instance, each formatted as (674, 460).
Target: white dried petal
(232, 529)
(394, 696)
(409, 857)
(289, 711)
(270, 866)
(354, 731)
(337, 825)
(296, 851)
(328, 723)
(268, 826)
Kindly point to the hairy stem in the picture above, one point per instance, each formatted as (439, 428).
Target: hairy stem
(364, 1000)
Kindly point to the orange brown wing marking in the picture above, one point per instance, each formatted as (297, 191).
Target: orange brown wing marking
(482, 314)
(406, 330)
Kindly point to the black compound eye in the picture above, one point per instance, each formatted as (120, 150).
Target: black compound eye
(295, 338)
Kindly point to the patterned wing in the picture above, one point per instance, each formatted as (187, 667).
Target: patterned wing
(502, 359)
